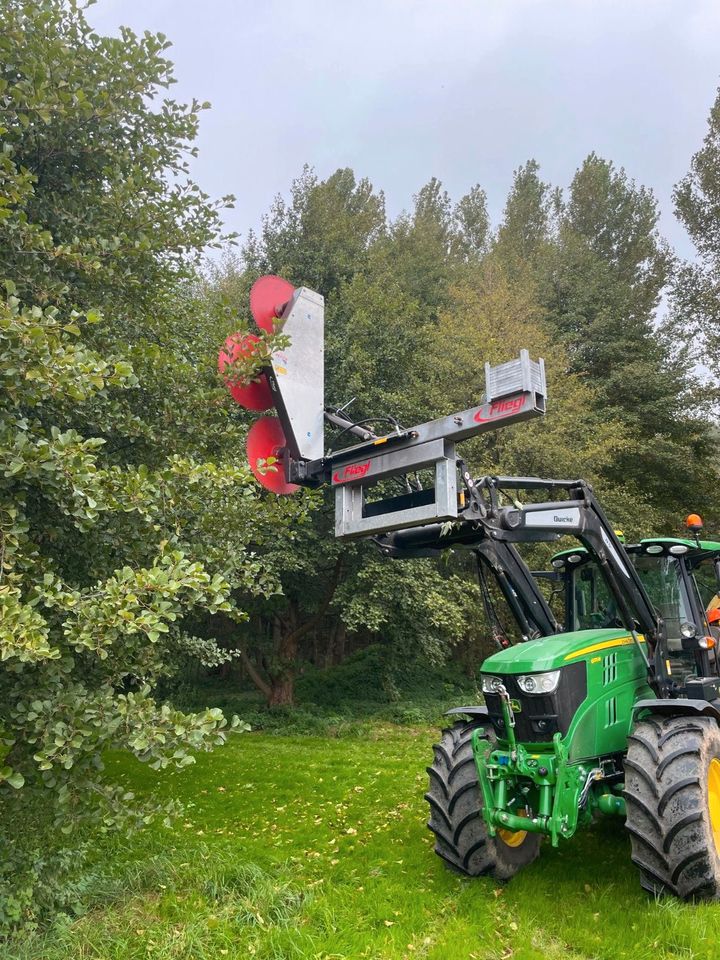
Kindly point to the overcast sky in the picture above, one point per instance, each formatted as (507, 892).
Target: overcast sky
(465, 90)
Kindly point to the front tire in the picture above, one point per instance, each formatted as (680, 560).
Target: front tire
(461, 837)
(672, 792)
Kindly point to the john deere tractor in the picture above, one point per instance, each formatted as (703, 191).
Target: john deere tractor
(614, 712)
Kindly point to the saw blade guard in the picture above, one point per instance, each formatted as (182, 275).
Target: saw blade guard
(266, 441)
(255, 395)
(268, 298)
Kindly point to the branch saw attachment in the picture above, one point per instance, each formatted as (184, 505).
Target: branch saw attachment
(287, 451)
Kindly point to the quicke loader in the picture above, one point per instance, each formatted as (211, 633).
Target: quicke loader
(614, 711)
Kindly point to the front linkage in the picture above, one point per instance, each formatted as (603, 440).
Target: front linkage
(555, 796)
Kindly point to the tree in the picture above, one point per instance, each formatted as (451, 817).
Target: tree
(527, 227)
(411, 317)
(603, 292)
(696, 291)
(421, 248)
(504, 315)
(123, 512)
(323, 234)
(472, 224)
(382, 286)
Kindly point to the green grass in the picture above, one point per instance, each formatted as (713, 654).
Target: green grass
(297, 847)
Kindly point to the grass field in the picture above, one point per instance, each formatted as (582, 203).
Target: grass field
(298, 847)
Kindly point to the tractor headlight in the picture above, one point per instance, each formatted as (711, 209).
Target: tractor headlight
(539, 682)
(687, 630)
(491, 684)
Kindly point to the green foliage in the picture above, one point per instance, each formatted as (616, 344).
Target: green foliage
(380, 682)
(98, 207)
(596, 269)
(611, 269)
(696, 288)
(381, 674)
(71, 644)
(124, 516)
(527, 226)
(322, 234)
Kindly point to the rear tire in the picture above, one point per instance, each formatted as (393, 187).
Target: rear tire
(461, 837)
(672, 791)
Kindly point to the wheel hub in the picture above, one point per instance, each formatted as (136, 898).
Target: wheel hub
(714, 799)
(513, 838)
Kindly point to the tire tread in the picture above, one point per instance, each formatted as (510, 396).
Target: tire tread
(666, 800)
(454, 799)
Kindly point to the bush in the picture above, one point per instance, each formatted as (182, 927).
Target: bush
(375, 676)
(370, 687)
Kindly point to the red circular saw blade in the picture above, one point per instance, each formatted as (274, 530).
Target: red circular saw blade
(266, 439)
(252, 396)
(268, 296)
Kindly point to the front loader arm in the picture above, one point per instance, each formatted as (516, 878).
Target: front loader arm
(518, 586)
(581, 515)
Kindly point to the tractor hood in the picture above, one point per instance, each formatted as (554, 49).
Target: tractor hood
(549, 653)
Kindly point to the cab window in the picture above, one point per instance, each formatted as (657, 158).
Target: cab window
(661, 578)
(593, 603)
(707, 585)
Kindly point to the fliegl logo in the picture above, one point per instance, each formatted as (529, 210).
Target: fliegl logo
(354, 471)
(501, 408)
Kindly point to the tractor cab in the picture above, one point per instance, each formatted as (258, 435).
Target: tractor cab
(681, 578)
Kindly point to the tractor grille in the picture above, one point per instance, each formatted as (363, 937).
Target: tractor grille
(610, 669)
(611, 712)
(541, 716)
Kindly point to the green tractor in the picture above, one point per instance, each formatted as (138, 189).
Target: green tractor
(615, 712)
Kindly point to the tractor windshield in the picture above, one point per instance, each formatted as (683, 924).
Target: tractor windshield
(662, 579)
(592, 604)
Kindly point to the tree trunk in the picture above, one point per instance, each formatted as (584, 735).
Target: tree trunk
(282, 684)
(287, 631)
(340, 639)
(263, 687)
(330, 645)
(282, 692)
